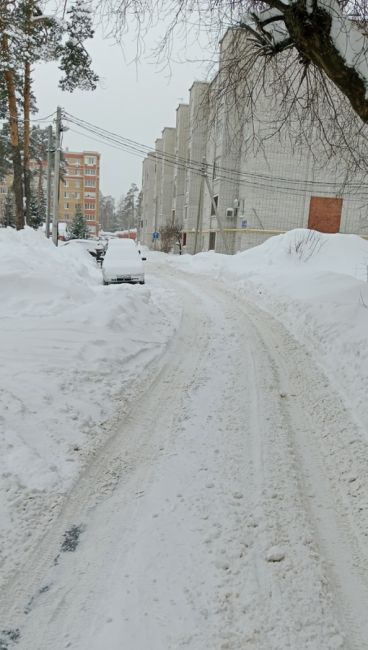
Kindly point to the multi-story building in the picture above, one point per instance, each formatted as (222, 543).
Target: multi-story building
(245, 179)
(181, 147)
(196, 155)
(148, 200)
(167, 174)
(80, 187)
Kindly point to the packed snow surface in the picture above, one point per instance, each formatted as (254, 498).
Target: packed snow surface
(185, 464)
(317, 286)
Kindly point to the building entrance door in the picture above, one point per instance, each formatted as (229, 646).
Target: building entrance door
(212, 242)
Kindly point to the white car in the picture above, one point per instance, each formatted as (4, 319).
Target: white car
(122, 263)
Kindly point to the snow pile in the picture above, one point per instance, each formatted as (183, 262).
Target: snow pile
(70, 348)
(316, 284)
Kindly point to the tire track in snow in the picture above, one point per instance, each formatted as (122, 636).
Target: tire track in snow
(184, 504)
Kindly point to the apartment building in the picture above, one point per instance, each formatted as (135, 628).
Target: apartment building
(181, 144)
(196, 155)
(245, 180)
(79, 187)
(148, 200)
(168, 140)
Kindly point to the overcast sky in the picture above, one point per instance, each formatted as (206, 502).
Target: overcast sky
(135, 101)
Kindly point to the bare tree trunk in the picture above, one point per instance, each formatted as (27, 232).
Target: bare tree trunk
(26, 112)
(14, 138)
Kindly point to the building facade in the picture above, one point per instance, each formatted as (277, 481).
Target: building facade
(181, 143)
(245, 179)
(80, 187)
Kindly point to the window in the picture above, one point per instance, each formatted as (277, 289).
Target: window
(90, 160)
(66, 206)
(90, 172)
(66, 195)
(90, 195)
(89, 206)
(90, 182)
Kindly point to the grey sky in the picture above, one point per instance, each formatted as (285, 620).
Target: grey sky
(133, 101)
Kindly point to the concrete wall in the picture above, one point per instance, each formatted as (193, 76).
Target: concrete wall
(181, 148)
(197, 144)
(167, 176)
(148, 202)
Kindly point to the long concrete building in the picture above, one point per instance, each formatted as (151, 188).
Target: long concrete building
(208, 176)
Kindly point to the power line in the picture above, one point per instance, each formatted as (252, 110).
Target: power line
(233, 176)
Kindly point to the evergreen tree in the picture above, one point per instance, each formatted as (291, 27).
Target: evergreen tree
(35, 219)
(127, 208)
(79, 227)
(28, 36)
(9, 213)
(5, 151)
(41, 205)
(107, 212)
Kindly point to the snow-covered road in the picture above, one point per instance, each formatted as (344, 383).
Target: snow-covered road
(227, 511)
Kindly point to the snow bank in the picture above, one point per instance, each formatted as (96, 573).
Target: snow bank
(69, 348)
(316, 284)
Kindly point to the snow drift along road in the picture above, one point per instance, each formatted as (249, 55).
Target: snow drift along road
(69, 348)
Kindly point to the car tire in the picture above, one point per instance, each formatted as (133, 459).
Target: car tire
(141, 282)
(104, 282)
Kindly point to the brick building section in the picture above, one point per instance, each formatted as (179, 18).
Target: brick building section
(325, 214)
(80, 188)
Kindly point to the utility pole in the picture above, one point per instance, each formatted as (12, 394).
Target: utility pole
(155, 224)
(55, 216)
(48, 204)
(214, 206)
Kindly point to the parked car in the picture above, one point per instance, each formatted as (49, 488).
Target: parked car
(122, 263)
(94, 247)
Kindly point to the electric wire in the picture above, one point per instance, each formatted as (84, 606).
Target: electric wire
(235, 177)
(196, 164)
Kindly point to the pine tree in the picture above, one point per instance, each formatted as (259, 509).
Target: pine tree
(28, 36)
(9, 215)
(35, 219)
(127, 208)
(79, 227)
(107, 212)
(41, 205)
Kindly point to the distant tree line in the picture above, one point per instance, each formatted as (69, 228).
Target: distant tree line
(125, 214)
(37, 199)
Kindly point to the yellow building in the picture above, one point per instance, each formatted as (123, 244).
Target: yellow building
(80, 187)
